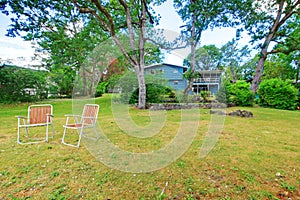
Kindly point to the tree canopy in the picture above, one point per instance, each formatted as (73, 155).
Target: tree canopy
(267, 22)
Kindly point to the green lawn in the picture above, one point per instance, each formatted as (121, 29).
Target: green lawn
(255, 158)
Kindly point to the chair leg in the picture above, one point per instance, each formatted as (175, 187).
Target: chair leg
(80, 135)
(63, 138)
(27, 135)
(52, 130)
(24, 122)
(97, 135)
(18, 139)
(47, 131)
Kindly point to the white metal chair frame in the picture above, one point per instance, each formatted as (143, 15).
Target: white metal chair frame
(43, 117)
(88, 119)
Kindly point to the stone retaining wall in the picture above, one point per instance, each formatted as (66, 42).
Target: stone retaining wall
(179, 106)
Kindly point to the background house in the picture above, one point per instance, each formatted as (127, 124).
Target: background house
(209, 80)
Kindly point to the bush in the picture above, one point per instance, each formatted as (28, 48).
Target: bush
(221, 94)
(155, 93)
(239, 94)
(22, 85)
(101, 89)
(276, 93)
(204, 95)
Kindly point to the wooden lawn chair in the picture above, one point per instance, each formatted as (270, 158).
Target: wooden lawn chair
(38, 115)
(87, 120)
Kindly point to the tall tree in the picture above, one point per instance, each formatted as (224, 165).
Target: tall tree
(207, 57)
(132, 17)
(264, 22)
(289, 47)
(198, 16)
(233, 58)
(114, 18)
(62, 34)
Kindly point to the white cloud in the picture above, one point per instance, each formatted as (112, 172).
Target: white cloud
(14, 48)
(173, 59)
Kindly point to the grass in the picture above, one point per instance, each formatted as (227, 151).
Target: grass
(255, 158)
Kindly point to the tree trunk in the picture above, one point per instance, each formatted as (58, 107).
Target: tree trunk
(85, 87)
(140, 68)
(142, 91)
(279, 20)
(259, 69)
(193, 60)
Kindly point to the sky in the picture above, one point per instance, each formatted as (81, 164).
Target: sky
(14, 48)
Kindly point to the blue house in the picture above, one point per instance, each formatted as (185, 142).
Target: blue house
(172, 73)
(208, 80)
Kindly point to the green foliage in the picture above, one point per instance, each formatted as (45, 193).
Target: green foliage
(128, 84)
(259, 22)
(22, 85)
(113, 81)
(101, 89)
(207, 58)
(233, 57)
(189, 74)
(221, 94)
(247, 70)
(204, 95)
(155, 93)
(239, 94)
(276, 93)
(297, 86)
(279, 66)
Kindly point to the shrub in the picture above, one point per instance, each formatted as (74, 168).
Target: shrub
(22, 85)
(276, 93)
(101, 89)
(204, 95)
(221, 94)
(239, 94)
(155, 93)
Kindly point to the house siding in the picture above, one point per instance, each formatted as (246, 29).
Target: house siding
(172, 73)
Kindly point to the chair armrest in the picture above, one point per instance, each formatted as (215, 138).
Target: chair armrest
(50, 115)
(90, 117)
(23, 117)
(71, 115)
(75, 117)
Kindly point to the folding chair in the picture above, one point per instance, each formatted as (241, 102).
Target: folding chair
(87, 120)
(38, 115)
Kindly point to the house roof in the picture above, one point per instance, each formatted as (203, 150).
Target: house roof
(160, 64)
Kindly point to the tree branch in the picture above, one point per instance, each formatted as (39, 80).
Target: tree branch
(105, 27)
(290, 13)
(148, 13)
(130, 30)
(108, 16)
(166, 47)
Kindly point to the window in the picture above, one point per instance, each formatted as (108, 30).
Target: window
(175, 82)
(156, 71)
